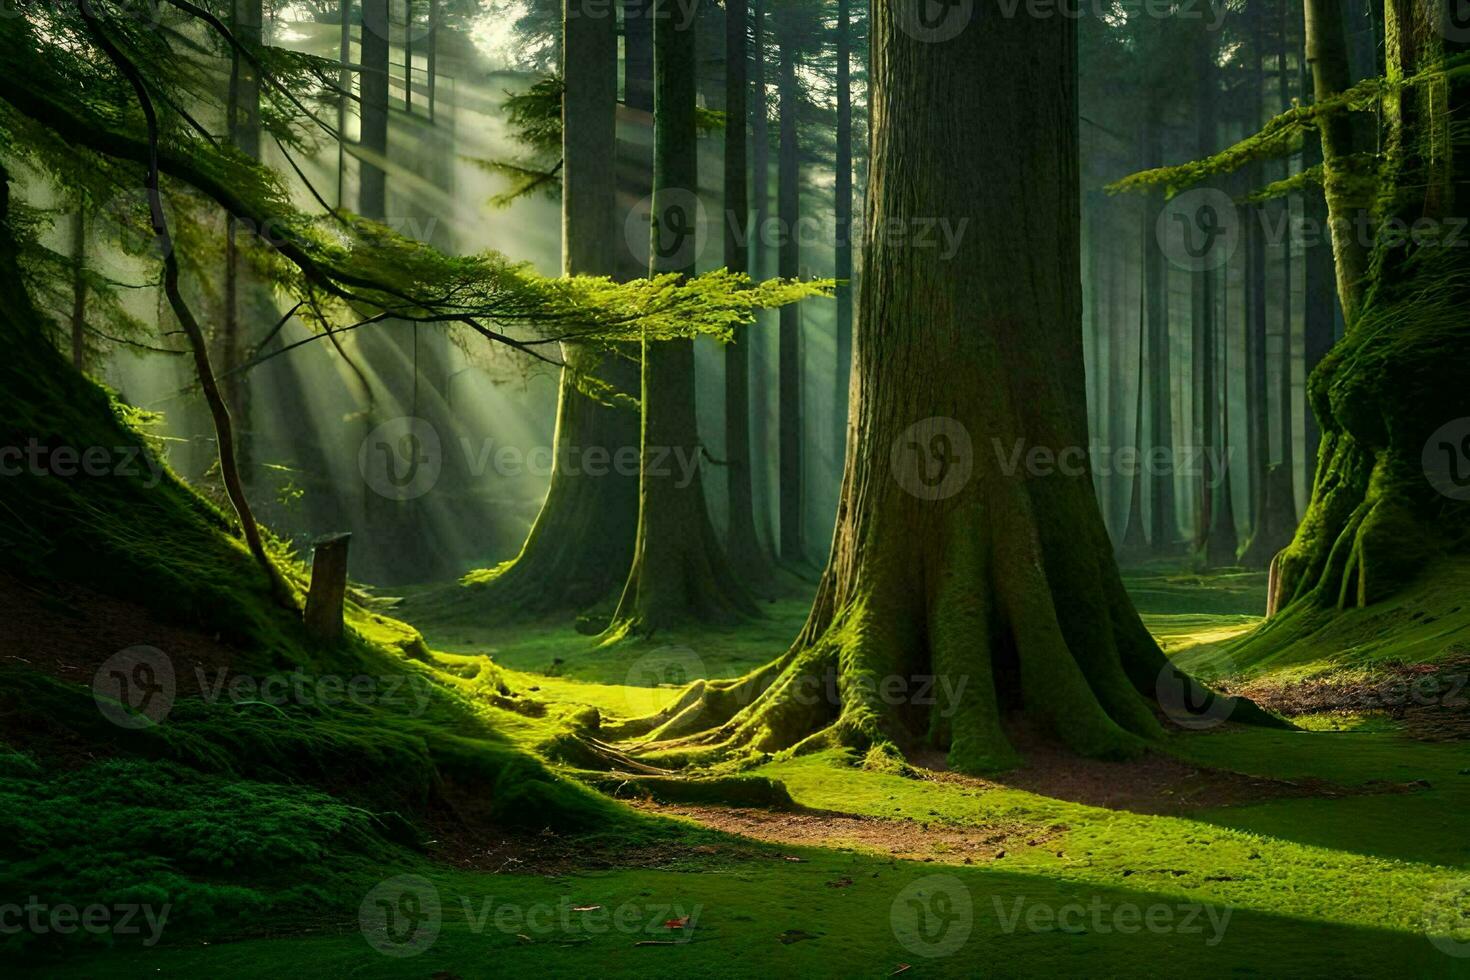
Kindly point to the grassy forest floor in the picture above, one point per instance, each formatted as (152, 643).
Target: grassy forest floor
(1327, 851)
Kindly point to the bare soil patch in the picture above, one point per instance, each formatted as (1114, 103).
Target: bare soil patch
(1431, 701)
(68, 632)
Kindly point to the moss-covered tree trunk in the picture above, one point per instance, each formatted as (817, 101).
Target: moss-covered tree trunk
(679, 571)
(951, 565)
(747, 555)
(1326, 53)
(1391, 488)
(581, 543)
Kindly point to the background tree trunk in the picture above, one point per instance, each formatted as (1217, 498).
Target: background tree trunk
(679, 571)
(747, 556)
(372, 188)
(842, 212)
(793, 539)
(244, 124)
(763, 489)
(1163, 520)
(79, 287)
(581, 544)
(1213, 546)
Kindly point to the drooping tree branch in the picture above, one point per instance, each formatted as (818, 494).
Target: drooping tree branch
(223, 428)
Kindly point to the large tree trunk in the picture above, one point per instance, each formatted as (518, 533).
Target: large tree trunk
(679, 571)
(581, 543)
(747, 555)
(788, 205)
(1391, 496)
(947, 563)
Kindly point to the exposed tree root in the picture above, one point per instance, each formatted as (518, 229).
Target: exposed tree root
(904, 668)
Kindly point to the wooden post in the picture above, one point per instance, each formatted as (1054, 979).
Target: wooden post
(328, 587)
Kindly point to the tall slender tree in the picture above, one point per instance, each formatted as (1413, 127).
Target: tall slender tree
(580, 545)
(372, 188)
(243, 111)
(842, 213)
(79, 287)
(1215, 541)
(679, 570)
(762, 241)
(1163, 520)
(747, 554)
(788, 209)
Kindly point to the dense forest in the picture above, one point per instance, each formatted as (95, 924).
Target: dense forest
(734, 488)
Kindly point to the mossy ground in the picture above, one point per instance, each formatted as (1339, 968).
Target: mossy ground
(1336, 882)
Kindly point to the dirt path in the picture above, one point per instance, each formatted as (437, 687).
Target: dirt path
(908, 839)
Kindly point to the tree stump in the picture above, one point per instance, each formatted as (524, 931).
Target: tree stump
(328, 587)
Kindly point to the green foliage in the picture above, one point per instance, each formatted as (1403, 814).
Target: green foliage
(68, 115)
(1282, 136)
(220, 852)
